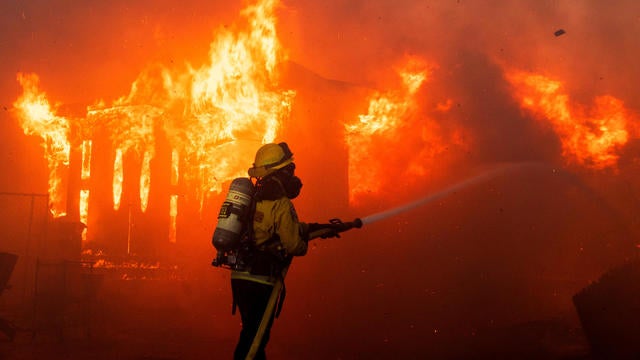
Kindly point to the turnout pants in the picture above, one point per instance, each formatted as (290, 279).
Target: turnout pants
(251, 299)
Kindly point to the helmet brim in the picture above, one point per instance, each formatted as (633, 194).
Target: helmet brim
(262, 171)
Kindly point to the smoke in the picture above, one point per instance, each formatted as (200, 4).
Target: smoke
(509, 250)
(84, 51)
(356, 41)
(473, 43)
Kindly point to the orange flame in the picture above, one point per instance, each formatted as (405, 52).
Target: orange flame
(145, 181)
(173, 218)
(232, 104)
(214, 116)
(118, 178)
(590, 137)
(86, 160)
(175, 168)
(131, 130)
(386, 113)
(84, 210)
(38, 118)
(392, 139)
(173, 201)
(85, 173)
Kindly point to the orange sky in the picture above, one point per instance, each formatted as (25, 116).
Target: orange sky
(538, 226)
(74, 45)
(87, 51)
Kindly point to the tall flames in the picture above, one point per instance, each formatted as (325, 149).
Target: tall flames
(232, 104)
(387, 113)
(214, 118)
(591, 136)
(38, 117)
(396, 139)
(216, 115)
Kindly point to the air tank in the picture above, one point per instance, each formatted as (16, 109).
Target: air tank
(234, 213)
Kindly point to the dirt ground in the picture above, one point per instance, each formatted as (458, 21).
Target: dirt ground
(182, 319)
(167, 336)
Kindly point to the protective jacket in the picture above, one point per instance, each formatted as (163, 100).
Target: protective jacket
(278, 236)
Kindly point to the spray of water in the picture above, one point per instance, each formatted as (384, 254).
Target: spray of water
(482, 177)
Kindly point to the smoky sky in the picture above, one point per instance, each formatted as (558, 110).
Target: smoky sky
(86, 51)
(356, 40)
(448, 263)
(92, 45)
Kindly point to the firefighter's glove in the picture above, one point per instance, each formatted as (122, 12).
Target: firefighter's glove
(323, 231)
(313, 227)
(310, 230)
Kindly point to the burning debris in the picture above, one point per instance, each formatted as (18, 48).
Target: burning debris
(38, 117)
(394, 120)
(209, 118)
(212, 116)
(591, 137)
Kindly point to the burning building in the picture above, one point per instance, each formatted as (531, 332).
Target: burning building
(131, 150)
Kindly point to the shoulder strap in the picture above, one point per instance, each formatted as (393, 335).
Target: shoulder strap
(248, 218)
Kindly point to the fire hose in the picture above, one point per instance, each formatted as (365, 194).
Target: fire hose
(335, 226)
(332, 229)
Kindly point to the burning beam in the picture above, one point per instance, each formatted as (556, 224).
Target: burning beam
(118, 178)
(387, 113)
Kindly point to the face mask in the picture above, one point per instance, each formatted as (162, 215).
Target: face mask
(292, 186)
(291, 183)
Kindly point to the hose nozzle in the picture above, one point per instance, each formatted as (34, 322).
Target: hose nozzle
(333, 228)
(339, 226)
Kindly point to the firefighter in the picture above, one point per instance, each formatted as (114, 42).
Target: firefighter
(278, 237)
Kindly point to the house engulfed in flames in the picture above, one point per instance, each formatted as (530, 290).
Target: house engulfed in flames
(138, 170)
(172, 141)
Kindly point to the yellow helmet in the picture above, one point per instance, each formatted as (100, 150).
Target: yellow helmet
(269, 158)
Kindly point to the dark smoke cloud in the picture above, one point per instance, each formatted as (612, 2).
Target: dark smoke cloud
(355, 40)
(473, 42)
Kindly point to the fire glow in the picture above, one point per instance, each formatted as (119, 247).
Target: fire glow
(214, 117)
(590, 137)
(37, 117)
(386, 113)
(394, 121)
